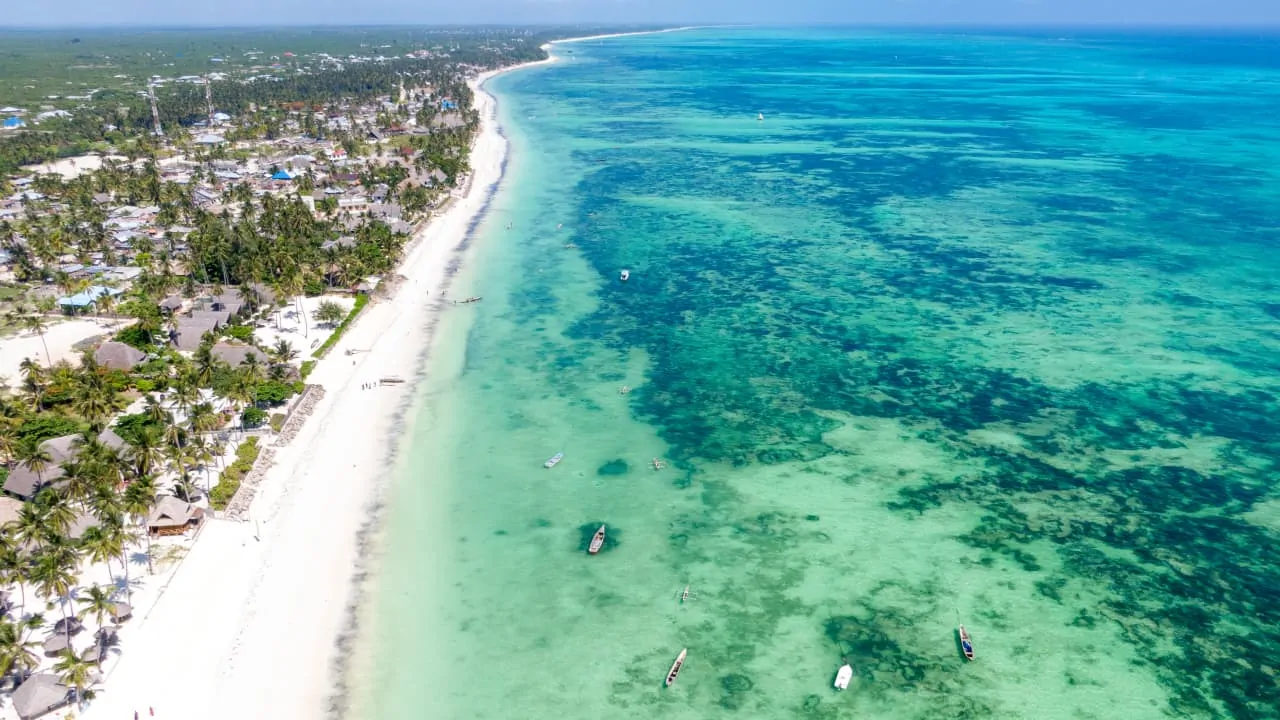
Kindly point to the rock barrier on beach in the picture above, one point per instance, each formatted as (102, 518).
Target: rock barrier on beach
(306, 405)
(238, 508)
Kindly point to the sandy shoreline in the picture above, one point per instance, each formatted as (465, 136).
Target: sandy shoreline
(247, 627)
(256, 621)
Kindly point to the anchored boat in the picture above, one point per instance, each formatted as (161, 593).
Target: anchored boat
(597, 542)
(626, 275)
(966, 644)
(843, 676)
(553, 460)
(675, 667)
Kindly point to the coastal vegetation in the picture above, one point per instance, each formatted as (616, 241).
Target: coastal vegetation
(361, 301)
(210, 256)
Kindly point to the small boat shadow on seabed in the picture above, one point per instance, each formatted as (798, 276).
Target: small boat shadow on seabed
(588, 531)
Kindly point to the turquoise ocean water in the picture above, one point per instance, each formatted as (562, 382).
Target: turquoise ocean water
(977, 328)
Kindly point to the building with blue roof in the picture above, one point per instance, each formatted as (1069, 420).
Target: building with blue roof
(82, 300)
(12, 123)
(282, 175)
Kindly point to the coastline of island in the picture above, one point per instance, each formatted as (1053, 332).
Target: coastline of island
(275, 588)
(282, 589)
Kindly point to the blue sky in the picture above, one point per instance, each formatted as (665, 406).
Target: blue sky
(366, 12)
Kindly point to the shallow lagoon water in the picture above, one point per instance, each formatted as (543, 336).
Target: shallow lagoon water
(975, 328)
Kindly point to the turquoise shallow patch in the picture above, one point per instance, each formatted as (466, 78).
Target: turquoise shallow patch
(970, 328)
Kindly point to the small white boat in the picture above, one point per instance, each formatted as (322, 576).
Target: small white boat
(675, 667)
(626, 275)
(966, 644)
(843, 676)
(597, 542)
(760, 117)
(553, 460)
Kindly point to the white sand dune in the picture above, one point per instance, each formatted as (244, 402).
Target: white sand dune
(248, 625)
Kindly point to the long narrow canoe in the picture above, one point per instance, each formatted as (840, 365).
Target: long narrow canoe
(966, 645)
(675, 667)
(597, 542)
(550, 463)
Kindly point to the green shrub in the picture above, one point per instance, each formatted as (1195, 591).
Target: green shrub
(307, 367)
(44, 426)
(277, 421)
(361, 301)
(129, 427)
(136, 337)
(144, 385)
(229, 481)
(243, 333)
(273, 392)
(312, 287)
(253, 417)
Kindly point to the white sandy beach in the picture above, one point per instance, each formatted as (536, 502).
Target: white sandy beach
(247, 626)
(60, 338)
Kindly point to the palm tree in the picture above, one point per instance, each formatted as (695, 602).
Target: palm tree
(184, 392)
(101, 543)
(96, 602)
(200, 454)
(37, 324)
(16, 645)
(29, 528)
(75, 673)
(8, 438)
(283, 351)
(34, 382)
(56, 510)
(138, 499)
(203, 418)
(54, 576)
(252, 369)
(93, 400)
(13, 566)
(206, 364)
(35, 457)
(146, 451)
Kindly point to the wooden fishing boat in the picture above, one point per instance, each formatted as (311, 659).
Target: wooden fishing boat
(966, 644)
(472, 299)
(553, 460)
(843, 676)
(675, 667)
(597, 542)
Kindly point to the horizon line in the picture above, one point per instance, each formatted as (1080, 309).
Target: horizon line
(339, 25)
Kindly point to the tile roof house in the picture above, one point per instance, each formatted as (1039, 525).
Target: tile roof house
(118, 356)
(219, 317)
(190, 331)
(171, 516)
(24, 482)
(40, 694)
(173, 303)
(234, 354)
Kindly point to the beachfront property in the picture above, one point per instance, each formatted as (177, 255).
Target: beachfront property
(189, 362)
